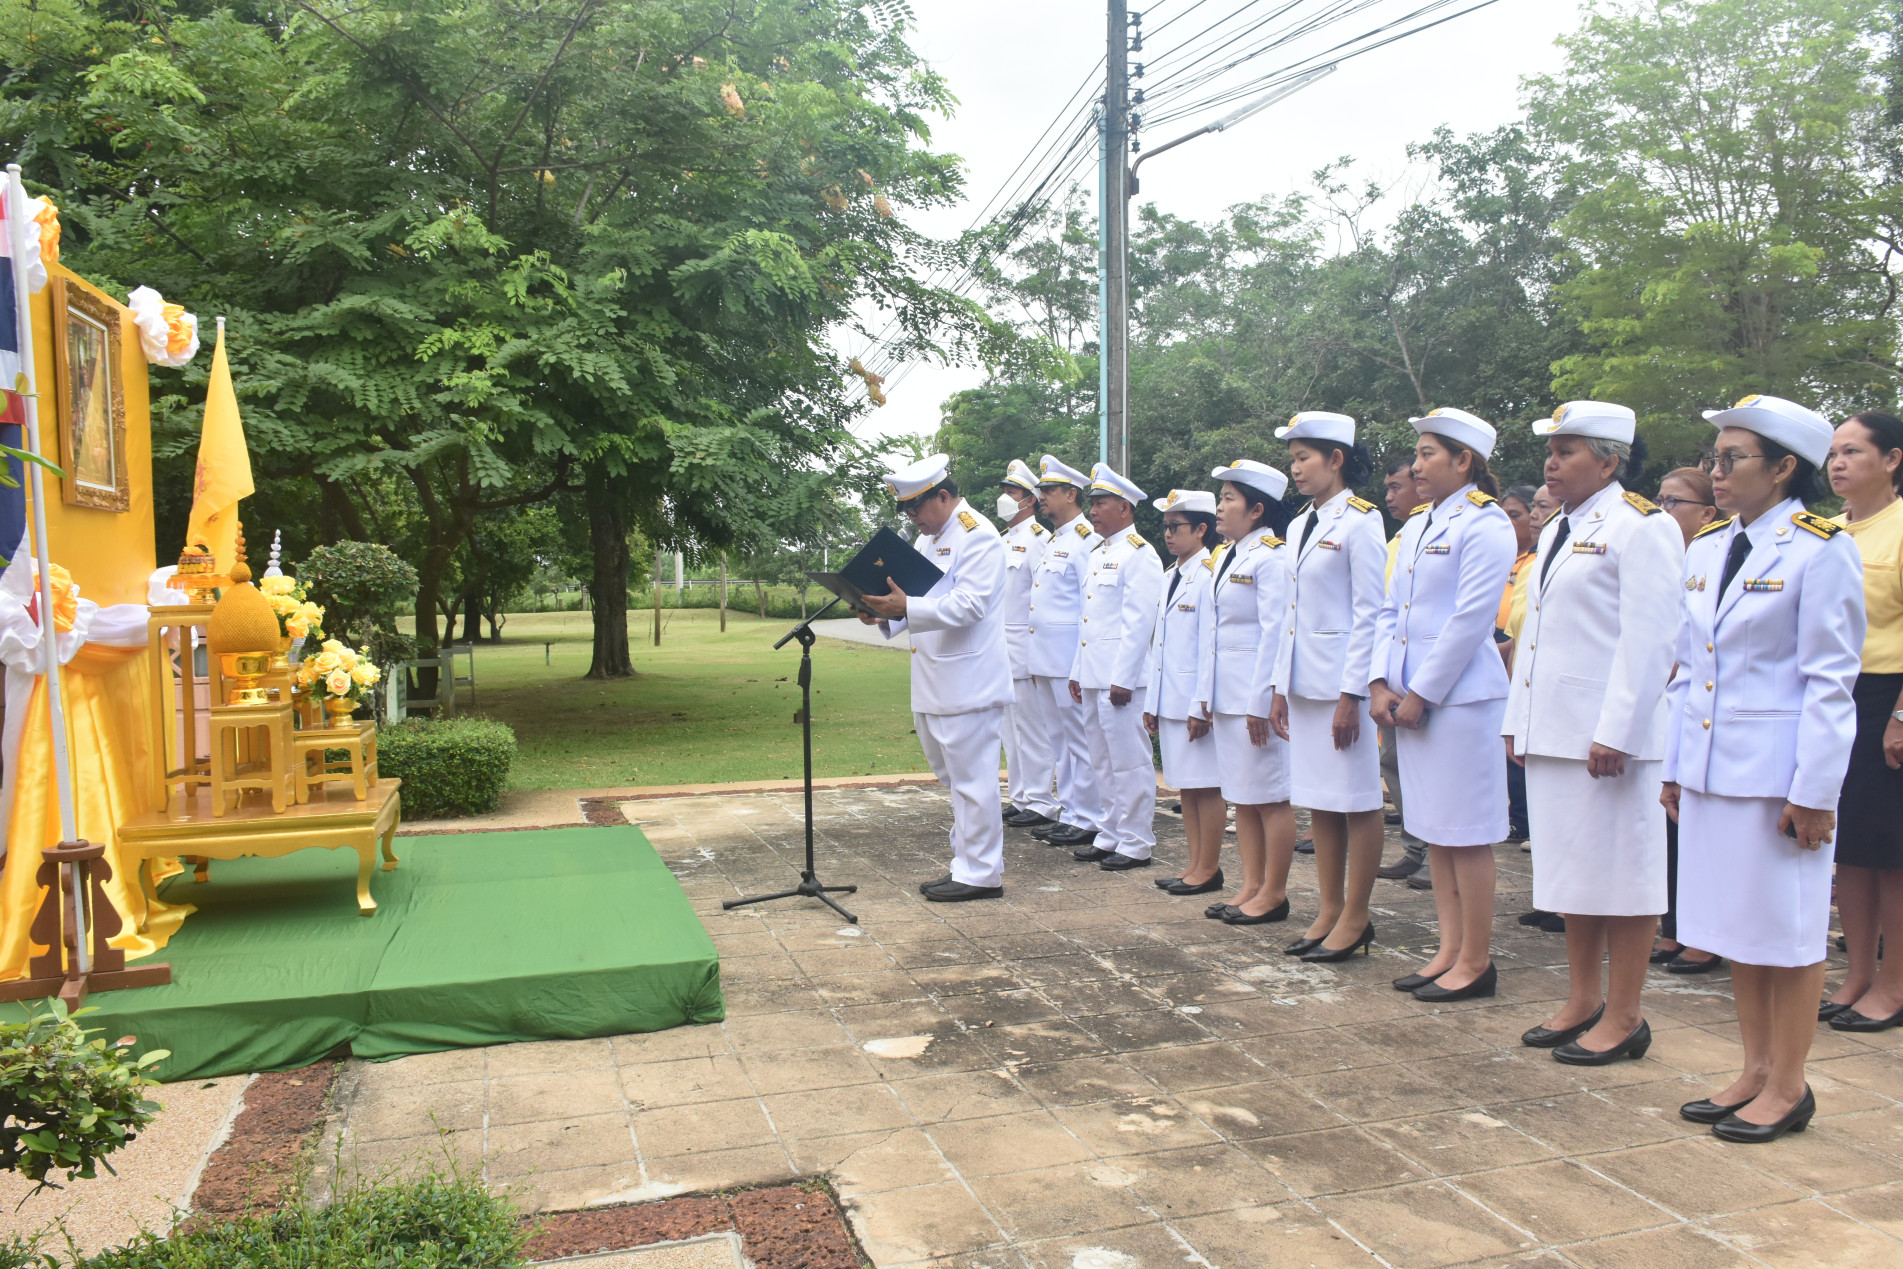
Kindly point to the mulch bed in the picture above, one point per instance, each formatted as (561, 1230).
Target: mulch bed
(798, 1226)
(780, 1227)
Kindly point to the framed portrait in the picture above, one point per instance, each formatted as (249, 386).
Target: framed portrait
(90, 399)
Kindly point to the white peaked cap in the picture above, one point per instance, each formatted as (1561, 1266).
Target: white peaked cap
(909, 482)
(1601, 420)
(1457, 425)
(1052, 471)
(1021, 475)
(1318, 425)
(1803, 431)
(1186, 500)
(1105, 480)
(1258, 476)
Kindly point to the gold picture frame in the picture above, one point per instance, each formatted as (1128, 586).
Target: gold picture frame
(89, 399)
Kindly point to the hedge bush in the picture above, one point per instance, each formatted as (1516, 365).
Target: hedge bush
(434, 1223)
(450, 766)
(66, 1100)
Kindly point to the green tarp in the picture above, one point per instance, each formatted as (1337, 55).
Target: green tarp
(478, 938)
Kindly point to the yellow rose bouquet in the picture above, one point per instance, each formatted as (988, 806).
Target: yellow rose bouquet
(298, 617)
(338, 672)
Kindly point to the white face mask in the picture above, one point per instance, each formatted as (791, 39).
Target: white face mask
(1007, 506)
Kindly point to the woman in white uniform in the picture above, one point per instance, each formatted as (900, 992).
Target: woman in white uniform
(1189, 761)
(1235, 666)
(1336, 586)
(1761, 722)
(1586, 718)
(1441, 685)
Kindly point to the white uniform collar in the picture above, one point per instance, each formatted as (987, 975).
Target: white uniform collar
(1339, 500)
(1583, 513)
(1073, 520)
(1194, 560)
(1027, 525)
(1778, 515)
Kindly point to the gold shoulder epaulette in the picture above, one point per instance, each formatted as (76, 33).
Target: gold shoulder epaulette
(1135, 539)
(1038, 530)
(1713, 527)
(1816, 524)
(1644, 505)
(968, 520)
(1269, 539)
(1083, 530)
(1418, 510)
(1360, 504)
(1209, 561)
(1480, 499)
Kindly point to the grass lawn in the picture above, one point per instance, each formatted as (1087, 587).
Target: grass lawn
(704, 706)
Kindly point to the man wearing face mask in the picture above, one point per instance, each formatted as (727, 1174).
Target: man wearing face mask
(1027, 741)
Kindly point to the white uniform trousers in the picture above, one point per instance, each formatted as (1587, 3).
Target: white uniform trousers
(963, 752)
(1065, 721)
(1123, 761)
(1027, 751)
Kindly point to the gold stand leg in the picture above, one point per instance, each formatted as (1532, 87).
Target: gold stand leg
(366, 864)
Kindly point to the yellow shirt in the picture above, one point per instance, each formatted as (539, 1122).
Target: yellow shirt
(1394, 550)
(1505, 617)
(1880, 539)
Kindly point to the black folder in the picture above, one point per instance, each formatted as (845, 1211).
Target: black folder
(885, 559)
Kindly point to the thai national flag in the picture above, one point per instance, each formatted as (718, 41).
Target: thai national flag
(12, 408)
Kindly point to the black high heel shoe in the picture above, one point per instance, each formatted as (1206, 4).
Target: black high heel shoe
(1181, 887)
(1301, 945)
(1709, 1112)
(1485, 985)
(1236, 916)
(1744, 1132)
(1322, 954)
(1633, 1046)
(1828, 1009)
(1411, 981)
(1851, 1020)
(1552, 1038)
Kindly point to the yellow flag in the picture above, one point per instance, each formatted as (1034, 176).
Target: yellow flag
(224, 468)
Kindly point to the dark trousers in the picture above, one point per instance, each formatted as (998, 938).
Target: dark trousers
(1668, 924)
(1516, 795)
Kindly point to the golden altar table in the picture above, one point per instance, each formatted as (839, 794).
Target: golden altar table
(332, 819)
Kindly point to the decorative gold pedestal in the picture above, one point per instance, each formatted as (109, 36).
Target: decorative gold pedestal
(251, 748)
(359, 768)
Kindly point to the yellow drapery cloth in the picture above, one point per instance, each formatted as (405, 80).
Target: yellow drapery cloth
(112, 783)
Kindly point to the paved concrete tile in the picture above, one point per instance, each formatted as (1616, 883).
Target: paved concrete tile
(920, 1224)
(1423, 1225)
(1808, 1235)
(1008, 1143)
(523, 1099)
(1289, 1236)
(727, 1125)
(806, 1070)
(1674, 1247)
(1456, 1142)
(873, 1162)
(407, 1110)
(1053, 1202)
(686, 1082)
(824, 1112)
(545, 1056)
(964, 1095)
(1335, 1161)
(558, 1145)
(1694, 1177)
(1136, 1125)
(1561, 1202)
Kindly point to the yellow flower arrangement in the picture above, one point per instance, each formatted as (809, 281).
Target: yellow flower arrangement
(337, 671)
(298, 617)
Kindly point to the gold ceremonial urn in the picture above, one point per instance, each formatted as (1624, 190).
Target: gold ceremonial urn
(245, 669)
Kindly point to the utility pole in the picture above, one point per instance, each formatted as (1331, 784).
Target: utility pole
(1114, 213)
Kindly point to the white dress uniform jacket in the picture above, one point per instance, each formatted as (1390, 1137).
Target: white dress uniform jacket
(1024, 546)
(1762, 703)
(1119, 614)
(1241, 639)
(1597, 673)
(1335, 592)
(1434, 634)
(1175, 646)
(1057, 598)
(959, 662)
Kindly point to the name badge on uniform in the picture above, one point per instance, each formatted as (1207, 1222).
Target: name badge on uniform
(1108, 564)
(1589, 548)
(1020, 549)
(1242, 579)
(1186, 608)
(944, 550)
(1062, 555)
(1438, 548)
(1769, 584)
(1326, 545)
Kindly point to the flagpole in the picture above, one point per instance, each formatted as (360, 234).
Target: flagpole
(49, 634)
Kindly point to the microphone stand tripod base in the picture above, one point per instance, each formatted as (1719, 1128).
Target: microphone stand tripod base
(809, 886)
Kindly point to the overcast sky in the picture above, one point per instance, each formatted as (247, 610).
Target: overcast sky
(1013, 63)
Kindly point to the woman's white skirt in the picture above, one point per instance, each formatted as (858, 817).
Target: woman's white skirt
(1598, 845)
(1746, 891)
(1454, 775)
(1187, 764)
(1322, 777)
(1251, 775)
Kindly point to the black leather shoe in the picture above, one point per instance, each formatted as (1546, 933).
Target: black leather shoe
(1305, 847)
(1420, 881)
(1076, 837)
(1409, 982)
(1851, 1020)
(1828, 1009)
(932, 885)
(1236, 916)
(1181, 887)
(1322, 954)
(1216, 910)
(1091, 854)
(1007, 811)
(1164, 883)
(1405, 866)
(1633, 1046)
(1118, 862)
(1516, 832)
(1028, 819)
(1708, 1112)
(1301, 945)
(1534, 917)
(1551, 1038)
(958, 892)
(1665, 958)
(1390, 817)
(1485, 985)
(1049, 831)
(1553, 923)
(1732, 1128)
(1679, 965)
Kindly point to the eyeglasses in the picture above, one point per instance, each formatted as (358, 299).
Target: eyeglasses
(1670, 503)
(1175, 524)
(1723, 463)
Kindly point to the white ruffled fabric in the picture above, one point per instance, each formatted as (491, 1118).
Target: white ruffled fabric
(33, 268)
(155, 332)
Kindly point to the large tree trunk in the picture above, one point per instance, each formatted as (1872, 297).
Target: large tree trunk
(608, 541)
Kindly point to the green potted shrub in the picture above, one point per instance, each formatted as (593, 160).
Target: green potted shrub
(66, 1100)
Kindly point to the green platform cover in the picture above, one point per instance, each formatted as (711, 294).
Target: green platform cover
(478, 938)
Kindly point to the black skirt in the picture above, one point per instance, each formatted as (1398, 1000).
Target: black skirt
(1870, 812)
